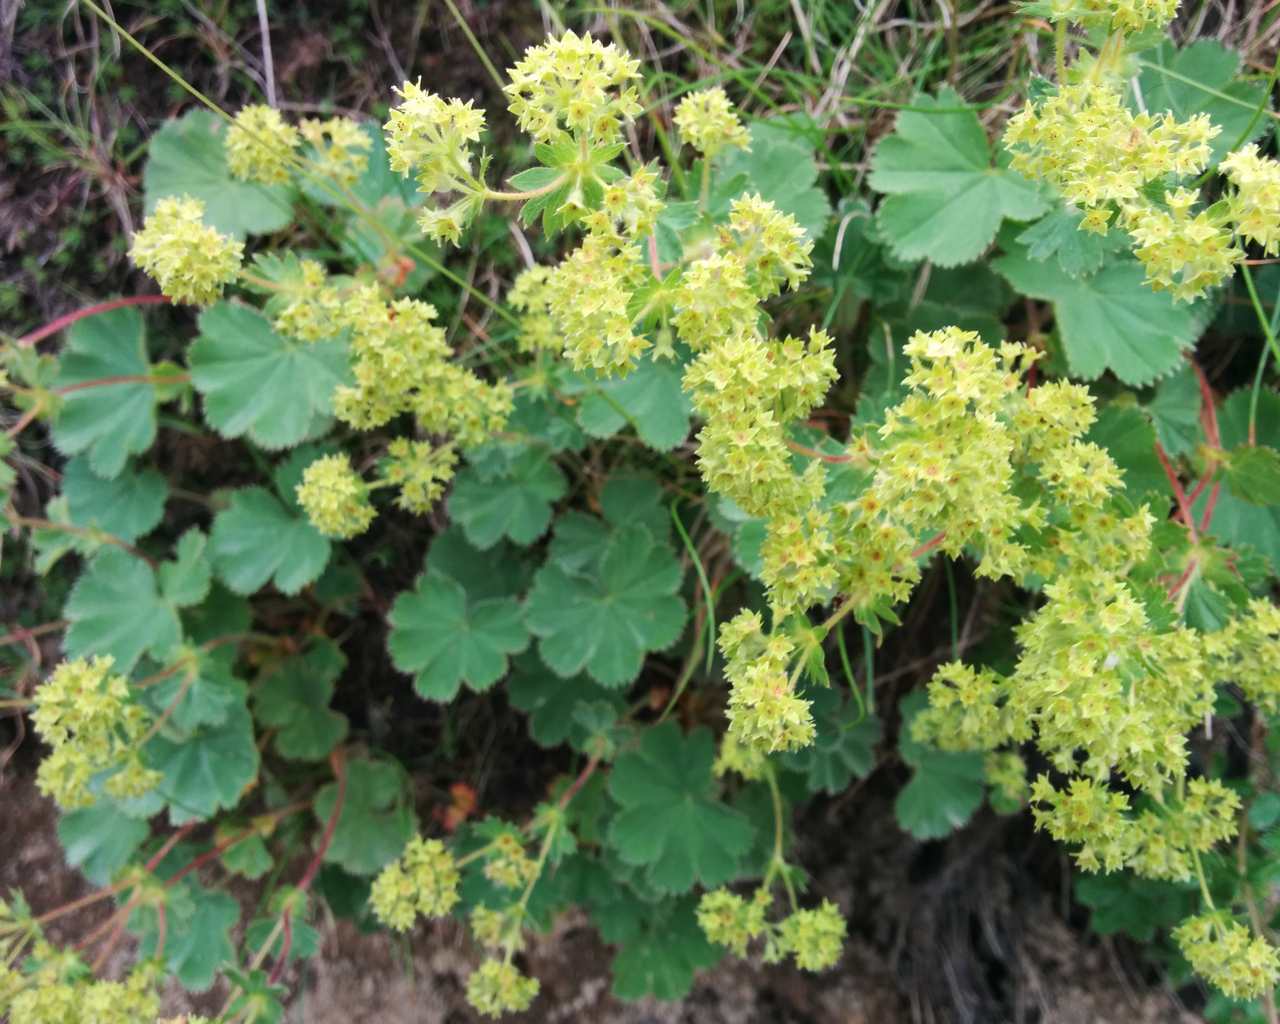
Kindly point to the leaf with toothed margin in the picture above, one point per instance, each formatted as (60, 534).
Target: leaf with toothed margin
(1110, 320)
(255, 383)
(945, 199)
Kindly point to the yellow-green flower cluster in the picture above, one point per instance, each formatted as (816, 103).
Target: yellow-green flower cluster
(813, 937)
(530, 295)
(334, 497)
(748, 390)
(590, 297)
(764, 710)
(968, 709)
(574, 85)
(1159, 844)
(1097, 678)
(949, 449)
(1006, 773)
(729, 920)
(735, 756)
(1086, 143)
(1225, 952)
(1247, 653)
(1115, 15)
(190, 261)
(260, 145)
(499, 928)
(62, 997)
(498, 987)
(1254, 204)
(400, 365)
(508, 865)
(771, 245)
(420, 470)
(707, 121)
(423, 881)
(339, 148)
(88, 718)
(1184, 252)
(630, 206)
(431, 138)
(312, 307)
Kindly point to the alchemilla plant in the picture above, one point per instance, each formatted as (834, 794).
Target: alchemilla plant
(630, 463)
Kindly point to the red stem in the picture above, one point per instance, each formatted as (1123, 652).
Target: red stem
(125, 378)
(22, 633)
(169, 844)
(338, 761)
(66, 320)
(1210, 506)
(1180, 495)
(579, 782)
(929, 545)
(813, 453)
(1208, 411)
(286, 941)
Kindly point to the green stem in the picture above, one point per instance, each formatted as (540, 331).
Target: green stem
(1060, 50)
(1204, 885)
(518, 197)
(1272, 348)
(778, 863)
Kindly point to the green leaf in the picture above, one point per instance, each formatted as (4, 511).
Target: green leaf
(1264, 811)
(1236, 522)
(780, 167)
(185, 580)
(945, 199)
(294, 700)
(1203, 78)
(844, 747)
(650, 398)
(670, 821)
(1109, 320)
(205, 691)
(114, 608)
(945, 788)
(1130, 438)
(129, 505)
(108, 422)
(514, 502)
(276, 390)
(205, 769)
(579, 542)
(198, 923)
(1175, 412)
(99, 840)
(1253, 474)
(186, 158)
(1122, 902)
(661, 957)
(551, 702)
(249, 858)
(256, 539)
(498, 571)
(376, 818)
(303, 944)
(447, 639)
(1057, 235)
(607, 621)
